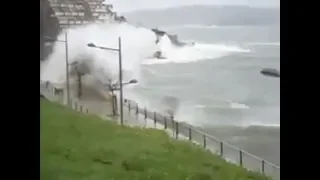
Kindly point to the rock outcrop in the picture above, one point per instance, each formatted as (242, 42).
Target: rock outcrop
(173, 37)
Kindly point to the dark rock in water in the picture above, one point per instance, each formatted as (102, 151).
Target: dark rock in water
(159, 32)
(158, 55)
(270, 72)
(173, 38)
(120, 19)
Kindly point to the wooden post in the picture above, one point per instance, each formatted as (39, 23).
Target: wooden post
(262, 166)
(70, 105)
(173, 127)
(177, 130)
(221, 149)
(75, 106)
(137, 111)
(112, 101)
(204, 141)
(145, 116)
(145, 113)
(79, 82)
(80, 85)
(240, 158)
(165, 122)
(115, 104)
(155, 119)
(129, 106)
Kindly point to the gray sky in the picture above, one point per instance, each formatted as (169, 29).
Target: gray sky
(130, 5)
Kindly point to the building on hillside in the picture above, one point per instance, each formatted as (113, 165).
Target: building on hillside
(55, 15)
(78, 12)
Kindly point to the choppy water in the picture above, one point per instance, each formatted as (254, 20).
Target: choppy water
(227, 96)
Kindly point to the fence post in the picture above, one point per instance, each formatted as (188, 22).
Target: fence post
(190, 135)
(165, 122)
(221, 149)
(240, 158)
(137, 111)
(71, 104)
(76, 106)
(87, 110)
(173, 127)
(80, 108)
(177, 130)
(262, 166)
(204, 141)
(155, 119)
(115, 104)
(145, 116)
(129, 106)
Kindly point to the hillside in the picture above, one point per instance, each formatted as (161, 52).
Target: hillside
(77, 146)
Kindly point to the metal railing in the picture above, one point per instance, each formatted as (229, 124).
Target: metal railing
(185, 131)
(180, 131)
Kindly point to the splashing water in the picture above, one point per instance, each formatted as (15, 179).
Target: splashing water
(190, 53)
(138, 45)
(103, 64)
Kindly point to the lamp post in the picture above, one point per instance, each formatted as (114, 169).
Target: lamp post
(113, 87)
(67, 62)
(120, 71)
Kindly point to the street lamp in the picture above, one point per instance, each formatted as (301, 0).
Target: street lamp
(270, 72)
(113, 87)
(67, 62)
(132, 81)
(120, 71)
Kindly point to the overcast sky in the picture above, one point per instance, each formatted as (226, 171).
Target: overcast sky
(131, 5)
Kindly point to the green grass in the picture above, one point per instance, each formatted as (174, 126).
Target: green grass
(76, 146)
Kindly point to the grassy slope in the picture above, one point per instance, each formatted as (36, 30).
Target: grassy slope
(75, 146)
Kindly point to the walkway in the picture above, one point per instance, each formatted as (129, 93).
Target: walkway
(97, 102)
